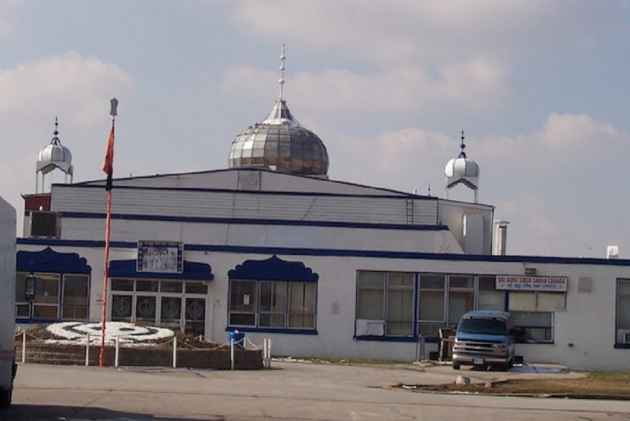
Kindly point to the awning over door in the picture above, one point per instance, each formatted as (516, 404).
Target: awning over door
(193, 271)
(273, 269)
(51, 261)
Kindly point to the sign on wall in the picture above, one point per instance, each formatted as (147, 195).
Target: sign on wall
(532, 283)
(160, 256)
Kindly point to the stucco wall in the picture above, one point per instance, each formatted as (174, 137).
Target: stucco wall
(587, 322)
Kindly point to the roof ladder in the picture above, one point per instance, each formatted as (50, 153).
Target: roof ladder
(409, 206)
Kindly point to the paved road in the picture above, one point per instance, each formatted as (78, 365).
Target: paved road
(291, 391)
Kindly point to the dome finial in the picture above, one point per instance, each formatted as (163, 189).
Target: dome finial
(55, 139)
(283, 60)
(462, 146)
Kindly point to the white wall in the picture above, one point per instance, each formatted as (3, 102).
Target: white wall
(587, 323)
(68, 198)
(452, 213)
(267, 181)
(440, 241)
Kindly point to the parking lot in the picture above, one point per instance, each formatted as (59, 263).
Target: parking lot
(290, 391)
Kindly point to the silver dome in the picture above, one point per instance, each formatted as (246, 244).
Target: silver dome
(462, 170)
(279, 143)
(55, 155)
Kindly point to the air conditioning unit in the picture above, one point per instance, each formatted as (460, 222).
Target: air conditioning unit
(370, 327)
(623, 336)
(44, 224)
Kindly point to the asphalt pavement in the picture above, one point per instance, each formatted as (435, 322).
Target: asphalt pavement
(289, 391)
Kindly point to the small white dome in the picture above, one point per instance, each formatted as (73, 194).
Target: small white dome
(462, 167)
(462, 170)
(54, 155)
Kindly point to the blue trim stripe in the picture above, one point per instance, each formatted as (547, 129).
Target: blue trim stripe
(343, 253)
(386, 338)
(262, 192)
(273, 330)
(252, 221)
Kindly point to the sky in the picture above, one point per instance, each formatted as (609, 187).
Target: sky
(541, 89)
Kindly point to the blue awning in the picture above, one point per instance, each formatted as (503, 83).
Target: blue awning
(194, 271)
(51, 261)
(273, 269)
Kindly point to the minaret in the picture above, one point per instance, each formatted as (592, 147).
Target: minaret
(462, 170)
(53, 156)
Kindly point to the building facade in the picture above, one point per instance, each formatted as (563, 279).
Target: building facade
(273, 247)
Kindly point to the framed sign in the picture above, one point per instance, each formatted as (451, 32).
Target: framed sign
(160, 256)
(532, 283)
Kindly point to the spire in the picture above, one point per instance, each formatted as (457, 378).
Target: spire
(283, 67)
(462, 146)
(55, 140)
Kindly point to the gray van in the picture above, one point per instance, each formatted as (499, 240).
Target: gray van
(484, 339)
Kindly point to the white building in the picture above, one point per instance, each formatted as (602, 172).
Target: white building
(326, 268)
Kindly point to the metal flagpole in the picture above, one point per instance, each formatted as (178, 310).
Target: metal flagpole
(108, 223)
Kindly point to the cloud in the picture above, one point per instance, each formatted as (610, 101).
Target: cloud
(547, 182)
(477, 83)
(377, 31)
(8, 13)
(77, 85)
(74, 87)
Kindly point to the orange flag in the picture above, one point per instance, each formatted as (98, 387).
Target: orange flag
(108, 163)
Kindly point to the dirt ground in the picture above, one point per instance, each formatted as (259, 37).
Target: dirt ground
(595, 385)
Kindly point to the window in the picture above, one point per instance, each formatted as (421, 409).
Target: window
(145, 309)
(171, 311)
(622, 331)
(461, 297)
(399, 320)
(537, 301)
(242, 303)
(75, 297)
(385, 297)
(23, 308)
(171, 286)
(489, 297)
(44, 224)
(121, 308)
(46, 299)
(195, 316)
(537, 326)
(431, 301)
(122, 284)
(147, 286)
(173, 304)
(302, 301)
(371, 295)
(273, 301)
(273, 304)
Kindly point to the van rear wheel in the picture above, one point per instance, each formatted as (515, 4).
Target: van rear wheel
(5, 398)
(456, 366)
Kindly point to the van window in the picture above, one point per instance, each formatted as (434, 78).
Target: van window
(482, 327)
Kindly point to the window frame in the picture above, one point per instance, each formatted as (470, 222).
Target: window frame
(386, 316)
(158, 294)
(617, 328)
(286, 328)
(418, 323)
(63, 296)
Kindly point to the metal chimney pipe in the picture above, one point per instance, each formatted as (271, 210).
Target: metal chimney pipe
(500, 238)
